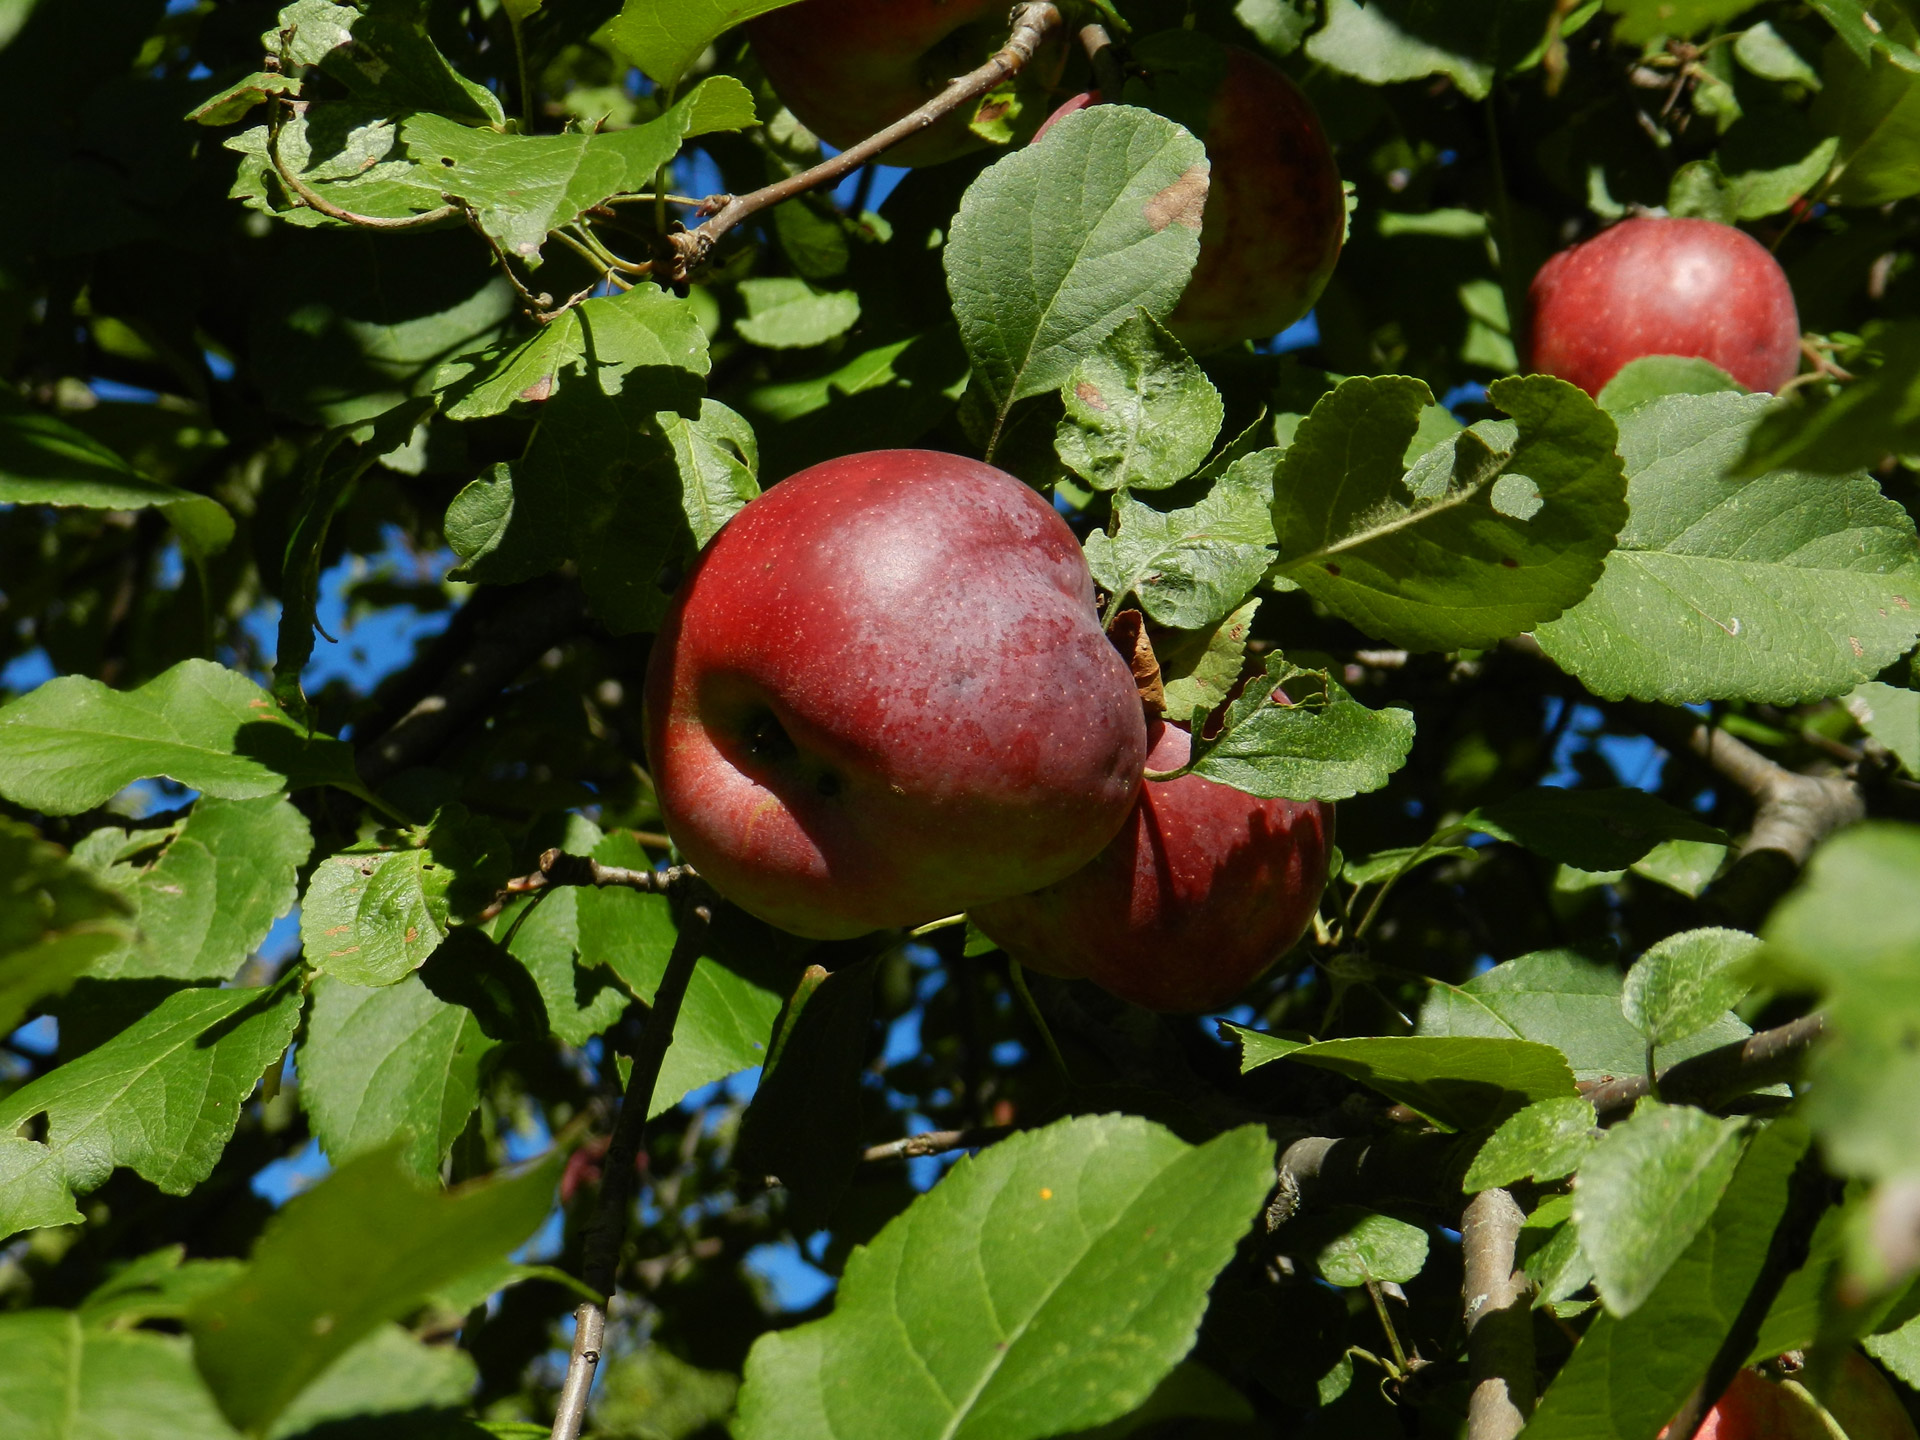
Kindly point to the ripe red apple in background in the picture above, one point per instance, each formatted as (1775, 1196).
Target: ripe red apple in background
(1203, 888)
(1275, 216)
(847, 68)
(882, 695)
(1855, 1394)
(1664, 286)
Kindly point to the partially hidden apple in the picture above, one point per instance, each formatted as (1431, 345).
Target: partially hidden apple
(1664, 286)
(1201, 891)
(1854, 1394)
(882, 695)
(1275, 213)
(849, 68)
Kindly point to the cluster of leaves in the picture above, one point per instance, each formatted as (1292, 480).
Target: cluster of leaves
(340, 309)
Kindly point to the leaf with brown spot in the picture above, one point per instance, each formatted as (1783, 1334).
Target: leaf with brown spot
(1180, 203)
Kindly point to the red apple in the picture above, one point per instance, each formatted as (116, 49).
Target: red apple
(1664, 287)
(1855, 1394)
(882, 695)
(847, 68)
(1275, 215)
(1203, 889)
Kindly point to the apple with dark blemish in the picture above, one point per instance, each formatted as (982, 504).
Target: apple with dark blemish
(1275, 212)
(1664, 285)
(882, 695)
(1203, 889)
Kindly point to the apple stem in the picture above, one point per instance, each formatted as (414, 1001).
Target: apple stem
(1402, 1370)
(1018, 973)
(601, 1261)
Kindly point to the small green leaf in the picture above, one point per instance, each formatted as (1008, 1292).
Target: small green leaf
(211, 896)
(1492, 531)
(1589, 829)
(788, 314)
(1891, 716)
(1392, 864)
(241, 96)
(160, 1285)
(1045, 1285)
(1686, 982)
(1350, 1247)
(1327, 746)
(1363, 41)
(1200, 680)
(1191, 567)
(1140, 413)
(664, 37)
(1764, 51)
(1647, 1189)
(1457, 1082)
(1784, 588)
(1057, 244)
(1544, 1142)
(1870, 100)
(1651, 377)
(364, 1246)
(66, 1380)
(1876, 415)
(386, 1064)
(161, 1098)
(56, 920)
(374, 912)
(718, 459)
(1644, 20)
(74, 743)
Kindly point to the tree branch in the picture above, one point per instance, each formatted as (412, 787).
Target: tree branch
(688, 250)
(1499, 1317)
(502, 645)
(1717, 1076)
(601, 1261)
(938, 1142)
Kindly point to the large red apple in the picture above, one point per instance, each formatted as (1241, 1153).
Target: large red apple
(1855, 1394)
(1203, 889)
(882, 695)
(1664, 286)
(847, 68)
(1275, 213)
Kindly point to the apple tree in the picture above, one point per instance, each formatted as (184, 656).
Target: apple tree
(1346, 863)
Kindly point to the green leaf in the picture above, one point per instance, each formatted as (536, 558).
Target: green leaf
(1201, 680)
(56, 921)
(346, 151)
(1686, 982)
(581, 1000)
(1544, 1142)
(1327, 746)
(642, 338)
(1875, 415)
(62, 1381)
(664, 37)
(1457, 1082)
(1363, 41)
(1564, 999)
(361, 1248)
(727, 1016)
(1057, 244)
(1493, 531)
(1392, 864)
(1351, 1247)
(161, 1098)
(1647, 1189)
(1589, 829)
(1550, 1254)
(1191, 567)
(1046, 1284)
(157, 1286)
(1764, 51)
(788, 314)
(1784, 588)
(1891, 716)
(375, 911)
(1756, 185)
(718, 459)
(1629, 1374)
(803, 1126)
(238, 98)
(389, 1063)
(1871, 102)
(45, 461)
(210, 897)
(1650, 377)
(1688, 866)
(73, 743)
(1644, 20)
(1140, 413)
(382, 54)
(652, 1391)
(388, 1374)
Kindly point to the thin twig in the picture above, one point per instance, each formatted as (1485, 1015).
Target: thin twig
(1108, 74)
(1018, 974)
(1713, 1078)
(1499, 1319)
(601, 1262)
(1032, 24)
(557, 867)
(937, 1142)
